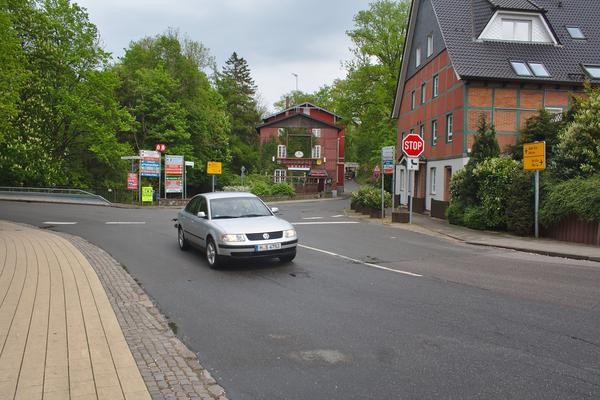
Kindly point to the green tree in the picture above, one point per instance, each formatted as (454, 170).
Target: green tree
(543, 126)
(237, 87)
(67, 115)
(485, 145)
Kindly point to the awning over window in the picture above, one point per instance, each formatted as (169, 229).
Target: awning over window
(318, 173)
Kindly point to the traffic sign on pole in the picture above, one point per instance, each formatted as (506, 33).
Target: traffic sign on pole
(413, 145)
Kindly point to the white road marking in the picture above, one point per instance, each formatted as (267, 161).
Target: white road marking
(124, 223)
(59, 223)
(325, 223)
(313, 218)
(361, 262)
(337, 216)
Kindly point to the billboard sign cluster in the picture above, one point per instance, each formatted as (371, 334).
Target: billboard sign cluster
(174, 174)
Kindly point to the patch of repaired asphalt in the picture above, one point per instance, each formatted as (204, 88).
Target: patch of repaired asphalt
(331, 357)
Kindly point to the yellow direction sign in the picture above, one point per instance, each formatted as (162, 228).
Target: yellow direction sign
(534, 156)
(214, 168)
(147, 194)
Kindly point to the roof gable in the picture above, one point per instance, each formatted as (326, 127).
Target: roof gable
(297, 107)
(298, 120)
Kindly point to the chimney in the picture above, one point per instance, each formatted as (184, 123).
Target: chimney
(287, 102)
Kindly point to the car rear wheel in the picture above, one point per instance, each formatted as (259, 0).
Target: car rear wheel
(214, 260)
(288, 257)
(181, 240)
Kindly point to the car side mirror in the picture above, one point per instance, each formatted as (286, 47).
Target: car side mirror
(201, 214)
(275, 210)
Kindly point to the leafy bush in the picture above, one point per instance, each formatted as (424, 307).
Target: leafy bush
(519, 204)
(261, 189)
(283, 189)
(475, 218)
(578, 196)
(370, 197)
(455, 212)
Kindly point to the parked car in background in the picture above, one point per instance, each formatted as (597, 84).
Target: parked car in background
(230, 225)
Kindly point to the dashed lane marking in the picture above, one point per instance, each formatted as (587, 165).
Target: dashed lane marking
(361, 262)
(313, 218)
(337, 216)
(124, 223)
(326, 223)
(60, 223)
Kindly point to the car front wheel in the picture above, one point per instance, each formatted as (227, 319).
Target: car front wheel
(181, 240)
(214, 260)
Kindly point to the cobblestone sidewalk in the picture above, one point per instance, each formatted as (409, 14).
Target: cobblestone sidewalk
(169, 369)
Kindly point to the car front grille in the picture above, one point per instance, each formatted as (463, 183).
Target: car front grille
(259, 236)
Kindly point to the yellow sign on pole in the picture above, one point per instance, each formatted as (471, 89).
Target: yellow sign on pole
(147, 194)
(214, 168)
(534, 156)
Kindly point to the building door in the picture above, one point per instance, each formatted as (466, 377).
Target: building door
(417, 187)
(447, 181)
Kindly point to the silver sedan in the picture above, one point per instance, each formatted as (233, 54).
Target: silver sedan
(230, 225)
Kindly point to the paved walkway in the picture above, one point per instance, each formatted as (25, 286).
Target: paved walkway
(59, 336)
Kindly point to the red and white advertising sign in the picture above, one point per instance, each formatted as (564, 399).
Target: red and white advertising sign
(413, 145)
(132, 181)
(160, 147)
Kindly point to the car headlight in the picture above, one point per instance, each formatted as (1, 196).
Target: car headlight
(289, 234)
(232, 238)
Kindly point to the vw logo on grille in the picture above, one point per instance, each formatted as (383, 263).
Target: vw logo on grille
(266, 236)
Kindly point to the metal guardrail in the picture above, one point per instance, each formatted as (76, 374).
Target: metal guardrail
(51, 195)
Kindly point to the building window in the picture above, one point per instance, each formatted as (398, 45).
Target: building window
(521, 68)
(539, 70)
(402, 179)
(432, 172)
(423, 92)
(449, 127)
(429, 45)
(418, 57)
(593, 71)
(422, 130)
(316, 151)
(435, 86)
(575, 32)
(306, 110)
(281, 131)
(316, 132)
(281, 151)
(516, 29)
(434, 132)
(280, 175)
(413, 96)
(557, 111)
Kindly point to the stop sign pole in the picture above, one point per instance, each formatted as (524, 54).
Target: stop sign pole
(413, 146)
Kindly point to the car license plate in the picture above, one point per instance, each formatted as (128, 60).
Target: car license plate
(268, 246)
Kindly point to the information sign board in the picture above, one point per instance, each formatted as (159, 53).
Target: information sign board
(214, 168)
(534, 156)
(147, 194)
(150, 163)
(388, 167)
(132, 181)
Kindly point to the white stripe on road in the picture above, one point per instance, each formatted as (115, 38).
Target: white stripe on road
(59, 223)
(325, 223)
(337, 216)
(361, 262)
(313, 218)
(124, 223)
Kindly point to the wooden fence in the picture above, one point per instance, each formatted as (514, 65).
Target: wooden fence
(571, 229)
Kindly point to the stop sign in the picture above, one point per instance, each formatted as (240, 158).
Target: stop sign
(413, 145)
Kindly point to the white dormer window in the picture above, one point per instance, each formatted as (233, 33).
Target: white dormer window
(516, 29)
(316, 132)
(517, 26)
(418, 57)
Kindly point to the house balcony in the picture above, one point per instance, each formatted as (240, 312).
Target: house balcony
(293, 162)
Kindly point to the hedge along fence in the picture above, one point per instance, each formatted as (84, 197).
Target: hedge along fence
(571, 210)
(370, 197)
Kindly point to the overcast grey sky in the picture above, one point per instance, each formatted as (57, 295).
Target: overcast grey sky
(276, 37)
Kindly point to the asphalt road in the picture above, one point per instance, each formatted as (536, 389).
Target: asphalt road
(365, 310)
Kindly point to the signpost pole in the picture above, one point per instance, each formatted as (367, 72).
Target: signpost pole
(394, 187)
(159, 175)
(213, 183)
(537, 203)
(412, 193)
(140, 183)
(382, 190)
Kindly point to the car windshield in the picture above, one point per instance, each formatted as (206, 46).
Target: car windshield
(238, 207)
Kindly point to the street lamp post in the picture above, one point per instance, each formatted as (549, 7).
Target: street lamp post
(296, 76)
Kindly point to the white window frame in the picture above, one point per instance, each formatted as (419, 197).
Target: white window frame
(413, 99)
(449, 127)
(280, 175)
(316, 132)
(557, 111)
(402, 178)
(515, 22)
(589, 68)
(434, 132)
(517, 15)
(281, 151)
(429, 45)
(417, 57)
(422, 130)
(423, 92)
(435, 91)
(316, 151)
(575, 32)
(432, 174)
(281, 131)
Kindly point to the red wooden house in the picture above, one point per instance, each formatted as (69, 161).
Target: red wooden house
(505, 59)
(310, 147)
